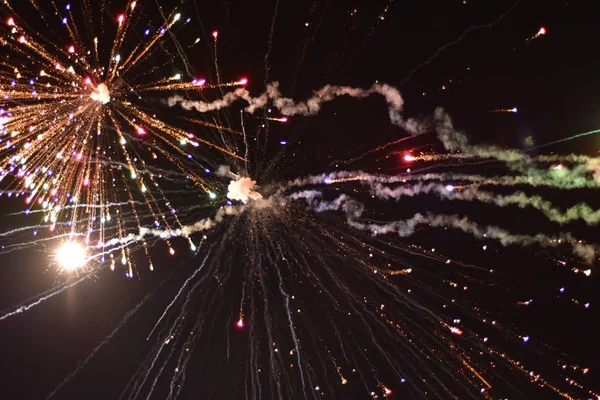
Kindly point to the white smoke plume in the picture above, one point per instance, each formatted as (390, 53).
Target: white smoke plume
(312, 106)
(354, 210)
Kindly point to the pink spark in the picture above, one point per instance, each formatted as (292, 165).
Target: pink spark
(215, 34)
(240, 323)
(243, 81)
(456, 331)
(409, 158)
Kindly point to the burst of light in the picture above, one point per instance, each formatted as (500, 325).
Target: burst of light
(409, 158)
(212, 195)
(243, 81)
(215, 34)
(450, 188)
(240, 323)
(542, 31)
(71, 256)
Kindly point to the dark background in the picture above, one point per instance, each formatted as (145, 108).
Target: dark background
(552, 80)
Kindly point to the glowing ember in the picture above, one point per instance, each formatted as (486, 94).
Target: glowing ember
(101, 94)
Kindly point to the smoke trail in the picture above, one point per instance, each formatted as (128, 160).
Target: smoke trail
(310, 107)
(404, 228)
(580, 211)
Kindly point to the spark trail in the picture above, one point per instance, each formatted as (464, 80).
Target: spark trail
(368, 301)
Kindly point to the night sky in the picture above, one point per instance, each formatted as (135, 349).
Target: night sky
(472, 58)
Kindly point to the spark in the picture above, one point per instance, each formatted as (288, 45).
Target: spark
(513, 110)
(539, 33)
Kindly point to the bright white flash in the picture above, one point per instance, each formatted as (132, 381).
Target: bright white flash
(243, 190)
(101, 94)
(71, 256)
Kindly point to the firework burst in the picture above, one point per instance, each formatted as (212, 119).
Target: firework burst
(323, 285)
(77, 141)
